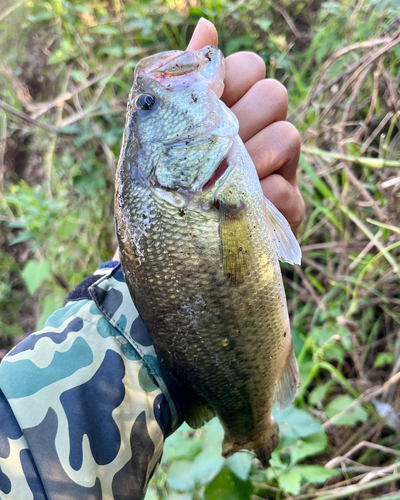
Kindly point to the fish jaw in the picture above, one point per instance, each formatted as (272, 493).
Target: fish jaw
(176, 70)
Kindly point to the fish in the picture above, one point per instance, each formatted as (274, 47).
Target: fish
(200, 247)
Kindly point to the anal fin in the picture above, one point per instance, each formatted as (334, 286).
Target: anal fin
(288, 382)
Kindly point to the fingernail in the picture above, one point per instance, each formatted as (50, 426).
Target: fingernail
(201, 23)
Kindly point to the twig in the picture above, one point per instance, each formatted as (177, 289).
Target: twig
(10, 10)
(375, 92)
(65, 96)
(335, 57)
(357, 488)
(20, 88)
(364, 252)
(27, 118)
(328, 488)
(110, 158)
(354, 16)
(393, 89)
(383, 122)
(379, 212)
(379, 473)
(349, 106)
(3, 138)
(291, 24)
(367, 162)
(364, 398)
(357, 73)
(310, 288)
(391, 182)
(335, 462)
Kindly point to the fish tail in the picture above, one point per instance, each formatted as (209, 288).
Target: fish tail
(263, 445)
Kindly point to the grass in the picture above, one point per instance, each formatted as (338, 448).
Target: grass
(64, 84)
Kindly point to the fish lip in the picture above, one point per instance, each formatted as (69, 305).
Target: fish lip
(169, 68)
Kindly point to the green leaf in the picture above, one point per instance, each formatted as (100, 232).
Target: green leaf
(295, 424)
(115, 50)
(51, 304)
(77, 75)
(198, 12)
(207, 464)
(34, 274)
(383, 359)
(182, 444)
(63, 53)
(357, 414)
(214, 433)
(290, 481)
(22, 236)
(151, 494)
(132, 51)
(180, 475)
(226, 486)
(308, 447)
(264, 24)
(105, 29)
(315, 473)
(240, 464)
(318, 394)
(238, 43)
(333, 351)
(178, 496)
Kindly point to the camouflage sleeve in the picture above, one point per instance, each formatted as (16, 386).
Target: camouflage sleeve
(83, 410)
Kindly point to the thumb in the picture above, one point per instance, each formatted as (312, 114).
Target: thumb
(204, 34)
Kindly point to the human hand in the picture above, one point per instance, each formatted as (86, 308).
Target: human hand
(261, 107)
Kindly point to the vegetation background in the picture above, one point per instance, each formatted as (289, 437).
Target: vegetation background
(65, 74)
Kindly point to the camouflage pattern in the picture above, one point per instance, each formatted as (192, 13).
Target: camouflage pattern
(84, 410)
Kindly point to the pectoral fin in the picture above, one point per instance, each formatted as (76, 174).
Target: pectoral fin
(234, 236)
(285, 242)
(288, 382)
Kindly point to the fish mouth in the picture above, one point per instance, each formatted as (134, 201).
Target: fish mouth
(175, 70)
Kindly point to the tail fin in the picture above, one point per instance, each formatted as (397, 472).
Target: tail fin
(268, 444)
(263, 445)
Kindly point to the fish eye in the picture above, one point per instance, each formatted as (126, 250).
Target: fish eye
(145, 102)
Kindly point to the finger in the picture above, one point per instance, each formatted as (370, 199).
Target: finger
(265, 103)
(285, 197)
(276, 149)
(116, 256)
(204, 34)
(243, 70)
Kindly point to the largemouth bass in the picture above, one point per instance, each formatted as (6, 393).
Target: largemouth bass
(199, 246)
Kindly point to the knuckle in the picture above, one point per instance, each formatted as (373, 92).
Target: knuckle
(275, 92)
(289, 135)
(298, 214)
(292, 136)
(257, 64)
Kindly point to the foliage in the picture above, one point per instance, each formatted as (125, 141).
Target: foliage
(68, 67)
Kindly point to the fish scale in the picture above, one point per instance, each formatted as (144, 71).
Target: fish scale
(201, 262)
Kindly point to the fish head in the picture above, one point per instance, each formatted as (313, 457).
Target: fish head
(177, 131)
